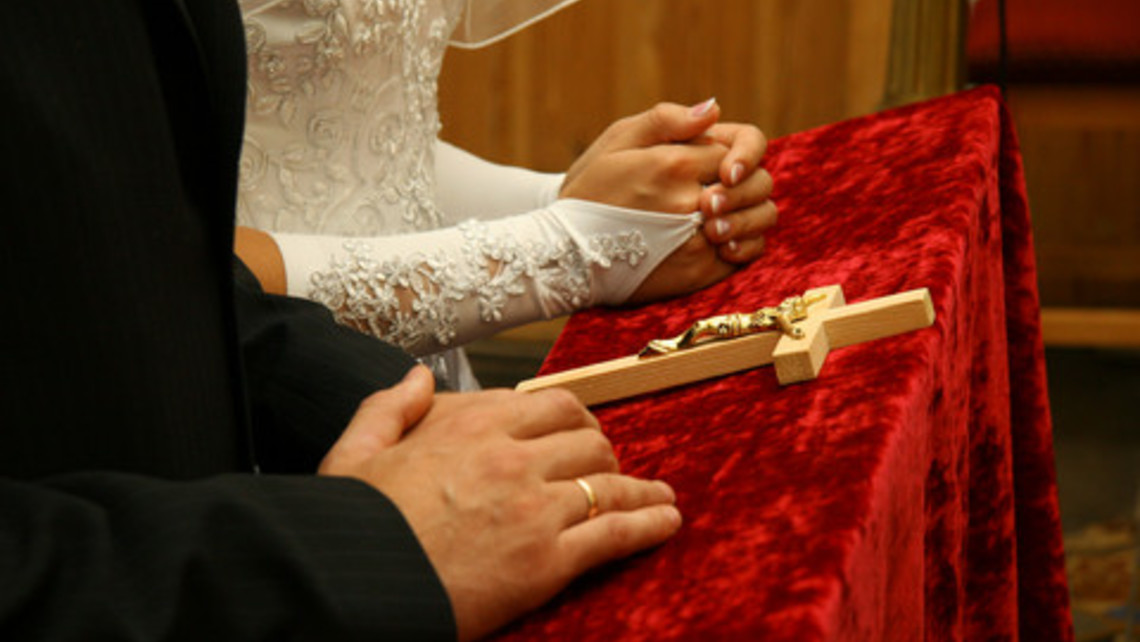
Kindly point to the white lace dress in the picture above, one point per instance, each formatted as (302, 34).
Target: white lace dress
(399, 234)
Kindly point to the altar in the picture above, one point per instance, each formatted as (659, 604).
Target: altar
(908, 492)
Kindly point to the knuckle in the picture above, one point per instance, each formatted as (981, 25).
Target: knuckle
(747, 221)
(620, 125)
(766, 181)
(644, 494)
(470, 429)
(753, 137)
(524, 505)
(756, 248)
(601, 449)
(563, 402)
(681, 202)
(511, 461)
(673, 160)
(621, 534)
(501, 395)
(372, 402)
(473, 424)
(526, 557)
(659, 113)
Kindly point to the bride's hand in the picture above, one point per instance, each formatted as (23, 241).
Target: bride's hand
(679, 159)
(736, 220)
(637, 163)
(671, 123)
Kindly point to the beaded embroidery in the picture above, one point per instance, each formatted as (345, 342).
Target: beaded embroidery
(365, 293)
(343, 114)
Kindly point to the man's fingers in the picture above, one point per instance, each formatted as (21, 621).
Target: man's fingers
(573, 453)
(548, 411)
(612, 493)
(382, 418)
(618, 534)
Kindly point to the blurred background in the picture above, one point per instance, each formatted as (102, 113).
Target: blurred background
(1071, 71)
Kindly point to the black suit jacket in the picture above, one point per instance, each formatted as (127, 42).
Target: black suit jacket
(140, 389)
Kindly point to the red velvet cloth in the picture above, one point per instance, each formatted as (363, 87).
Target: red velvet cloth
(1058, 40)
(906, 494)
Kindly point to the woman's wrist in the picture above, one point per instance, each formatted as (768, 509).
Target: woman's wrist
(261, 255)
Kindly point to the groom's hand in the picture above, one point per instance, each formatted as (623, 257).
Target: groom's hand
(487, 482)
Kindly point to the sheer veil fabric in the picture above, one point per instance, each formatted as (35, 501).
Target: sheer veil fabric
(486, 22)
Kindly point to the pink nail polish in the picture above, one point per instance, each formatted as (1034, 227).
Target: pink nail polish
(737, 171)
(701, 109)
(722, 229)
(717, 203)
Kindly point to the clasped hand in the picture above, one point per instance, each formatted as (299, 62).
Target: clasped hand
(486, 481)
(680, 160)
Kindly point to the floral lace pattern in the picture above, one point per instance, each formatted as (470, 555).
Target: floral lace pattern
(342, 114)
(342, 123)
(491, 270)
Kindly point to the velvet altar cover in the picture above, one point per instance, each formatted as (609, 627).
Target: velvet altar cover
(909, 492)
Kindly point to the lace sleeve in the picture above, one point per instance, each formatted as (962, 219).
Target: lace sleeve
(434, 290)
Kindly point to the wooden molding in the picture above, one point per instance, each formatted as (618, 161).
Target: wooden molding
(1091, 327)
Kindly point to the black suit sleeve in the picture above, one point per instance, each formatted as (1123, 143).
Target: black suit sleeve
(306, 375)
(127, 507)
(126, 556)
(113, 556)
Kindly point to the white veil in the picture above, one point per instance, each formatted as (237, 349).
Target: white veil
(486, 22)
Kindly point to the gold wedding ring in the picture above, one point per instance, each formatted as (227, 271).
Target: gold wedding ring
(591, 497)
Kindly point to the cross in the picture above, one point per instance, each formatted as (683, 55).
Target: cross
(829, 324)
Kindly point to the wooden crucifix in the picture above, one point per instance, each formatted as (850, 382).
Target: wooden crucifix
(796, 336)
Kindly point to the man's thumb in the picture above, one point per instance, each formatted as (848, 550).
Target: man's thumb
(383, 418)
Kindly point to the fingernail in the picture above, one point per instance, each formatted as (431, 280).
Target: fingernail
(732, 246)
(722, 229)
(673, 515)
(703, 108)
(736, 173)
(668, 490)
(717, 203)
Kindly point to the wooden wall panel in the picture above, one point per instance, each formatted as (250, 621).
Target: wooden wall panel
(539, 98)
(1081, 147)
